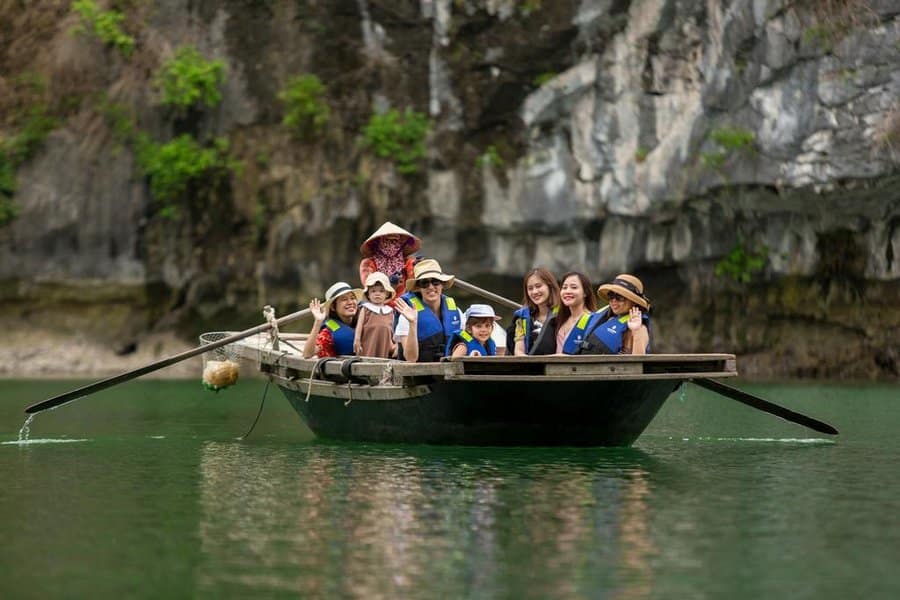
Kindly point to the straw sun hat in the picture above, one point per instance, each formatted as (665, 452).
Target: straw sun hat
(428, 269)
(336, 291)
(627, 286)
(379, 277)
(411, 244)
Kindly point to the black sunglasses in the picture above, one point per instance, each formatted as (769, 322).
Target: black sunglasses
(617, 297)
(424, 283)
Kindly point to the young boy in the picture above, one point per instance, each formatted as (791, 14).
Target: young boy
(475, 340)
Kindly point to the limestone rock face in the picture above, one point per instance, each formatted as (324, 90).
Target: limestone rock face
(740, 156)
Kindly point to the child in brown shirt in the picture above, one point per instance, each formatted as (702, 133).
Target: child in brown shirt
(375, 324)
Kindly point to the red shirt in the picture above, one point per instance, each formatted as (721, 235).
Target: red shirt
(325, 343)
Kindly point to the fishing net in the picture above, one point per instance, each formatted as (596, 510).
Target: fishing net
(220, 366)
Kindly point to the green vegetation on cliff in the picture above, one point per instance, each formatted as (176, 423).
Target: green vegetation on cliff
(190, 81)
(307, 112)
(105, 24)
(741, 263)
(34, 126)
(174, 167)
(730, 141)
(399, 137)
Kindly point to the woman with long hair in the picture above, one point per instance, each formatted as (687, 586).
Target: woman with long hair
(540, 302)
(577, 305)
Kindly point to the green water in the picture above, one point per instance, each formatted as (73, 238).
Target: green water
(143, 491)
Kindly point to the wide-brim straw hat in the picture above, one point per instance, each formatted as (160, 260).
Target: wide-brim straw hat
(627, 286)
(428, 269)
(481, 311)
(411, 245)
(379, 277)
(336, 291)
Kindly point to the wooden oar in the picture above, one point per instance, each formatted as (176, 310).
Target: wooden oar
(117, 379)
(474, 289)
(765, 406)
(720, 388)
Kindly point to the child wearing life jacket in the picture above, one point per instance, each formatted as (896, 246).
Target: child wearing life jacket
(375, 320)
(475, 339)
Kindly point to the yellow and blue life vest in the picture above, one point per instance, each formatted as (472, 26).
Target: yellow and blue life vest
(473, 346)
(578, 334)
(605, 335)
(343, 336)
(523, 322)
(431, 331)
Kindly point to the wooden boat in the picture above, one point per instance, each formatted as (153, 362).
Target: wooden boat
(490, 401)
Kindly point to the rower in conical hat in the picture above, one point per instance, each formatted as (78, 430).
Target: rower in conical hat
(389, 250)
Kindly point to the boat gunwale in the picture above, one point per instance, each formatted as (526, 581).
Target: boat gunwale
(583, 367)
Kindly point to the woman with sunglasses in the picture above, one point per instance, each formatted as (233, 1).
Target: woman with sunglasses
(427, 317)
(623, 327)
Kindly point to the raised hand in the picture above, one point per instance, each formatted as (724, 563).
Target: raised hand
(315, 307)
(406, 310)
(634, 318)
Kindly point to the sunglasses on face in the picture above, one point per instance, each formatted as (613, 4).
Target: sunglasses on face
(424, 283)
(611, 296)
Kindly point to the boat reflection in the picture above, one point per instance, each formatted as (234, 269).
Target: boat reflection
(356, 520)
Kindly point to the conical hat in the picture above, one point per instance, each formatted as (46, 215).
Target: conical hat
(412, 242)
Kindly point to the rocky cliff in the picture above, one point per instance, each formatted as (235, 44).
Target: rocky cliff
(741, 156)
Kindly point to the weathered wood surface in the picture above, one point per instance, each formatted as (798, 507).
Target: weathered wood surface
(289, 361)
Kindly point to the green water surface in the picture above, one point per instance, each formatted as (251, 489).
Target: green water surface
(143, 491)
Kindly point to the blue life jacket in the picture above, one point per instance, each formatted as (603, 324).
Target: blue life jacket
(578, 334)
(473, 346)
(343, 336)
(606, 333)
(431, 331)
(524, 314)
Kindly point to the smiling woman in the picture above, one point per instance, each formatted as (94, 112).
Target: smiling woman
(333, 329)
(624, 327)
(577, 306)
(427, 317)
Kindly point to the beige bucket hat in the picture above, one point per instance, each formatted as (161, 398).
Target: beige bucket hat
(428, 269)
(379, 277)
(627, 286)
(411, 244)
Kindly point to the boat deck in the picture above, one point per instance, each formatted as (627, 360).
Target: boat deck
(288, 362)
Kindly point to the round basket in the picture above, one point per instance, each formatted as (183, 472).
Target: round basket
(220, 366)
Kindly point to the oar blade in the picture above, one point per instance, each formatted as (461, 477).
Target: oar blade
(160, 364)
(766, 406)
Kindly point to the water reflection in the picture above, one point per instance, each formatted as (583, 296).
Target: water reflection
(357, 520)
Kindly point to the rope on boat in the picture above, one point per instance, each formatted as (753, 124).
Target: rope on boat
(387, 374)
(262, 402)
(319, 362)
(269, 314)
(347, 372)
(349, 395)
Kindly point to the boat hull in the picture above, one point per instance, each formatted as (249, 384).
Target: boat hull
(511, 413)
